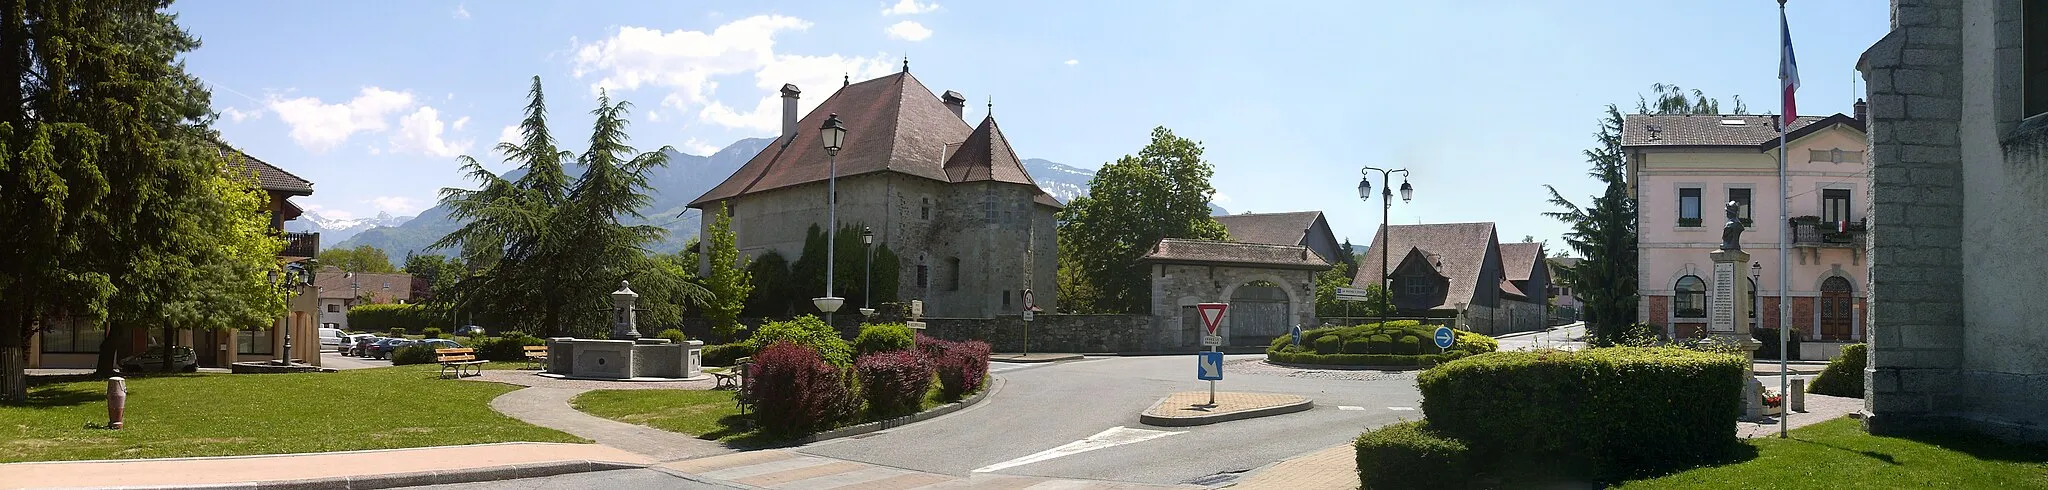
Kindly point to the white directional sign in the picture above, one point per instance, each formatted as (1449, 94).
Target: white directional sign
(1351, 294)
(1212, 341)
(1027, 315)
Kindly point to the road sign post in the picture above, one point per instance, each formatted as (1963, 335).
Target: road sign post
(1212, 317)
(1444, 338)
(1027, 321)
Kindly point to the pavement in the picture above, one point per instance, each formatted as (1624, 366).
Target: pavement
(1564, 337)
(549, 407)
(1202, 407)
(335, 469)
(1333, 468)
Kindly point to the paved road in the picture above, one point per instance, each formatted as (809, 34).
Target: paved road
(609, 480)
(331, 359)
(1560, 337)
(1042, 407)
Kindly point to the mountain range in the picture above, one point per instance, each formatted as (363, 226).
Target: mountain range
(671, 189)
(341, 229)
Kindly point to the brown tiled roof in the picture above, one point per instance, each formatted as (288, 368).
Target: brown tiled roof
(335, 284)
(267, 175)
(894, 124)
(1703, 129)
(1520, 259)
(987, 156)
(1183, 251)
(1459, 248)
(1270, 228)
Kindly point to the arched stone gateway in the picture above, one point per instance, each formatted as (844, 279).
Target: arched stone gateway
(1268, 287)
(1258, 312)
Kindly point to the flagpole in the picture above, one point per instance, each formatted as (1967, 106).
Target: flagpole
(1784, 237)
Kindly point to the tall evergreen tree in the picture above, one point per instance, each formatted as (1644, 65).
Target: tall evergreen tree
(1132, 203)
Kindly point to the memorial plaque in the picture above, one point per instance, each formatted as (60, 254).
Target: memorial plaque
(1721, 302)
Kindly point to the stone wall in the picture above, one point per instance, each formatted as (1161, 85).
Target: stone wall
(1510, 317)
(1176, 287)
(1053, 333)
(1954, 326)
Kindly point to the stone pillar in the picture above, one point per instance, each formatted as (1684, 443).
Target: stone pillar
(625, 324)
(1728, 320)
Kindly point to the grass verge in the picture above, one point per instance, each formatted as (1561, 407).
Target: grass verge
(1838, 454)
(242, 414)
(704, 414)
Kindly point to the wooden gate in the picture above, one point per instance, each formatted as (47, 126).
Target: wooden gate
(1258, 313)
(1837, 309)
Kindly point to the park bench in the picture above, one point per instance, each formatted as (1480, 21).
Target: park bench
(459, 360)
(537, 354)
(737, 377)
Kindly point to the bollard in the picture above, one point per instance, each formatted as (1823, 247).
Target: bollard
(117, 401)
(1796, 400)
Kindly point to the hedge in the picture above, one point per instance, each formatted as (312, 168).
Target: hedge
(795, 391)
(674, 336)
(1844, 374)
(1609, 412)
(807, 331)
(893, 382)
(884, 337)
(723, 355)
(413, 354)
(1769, 338)
(384, 317)
(1410, 455)
(510, 348)
(1396, 343)
(1387, 360)
(431, 333)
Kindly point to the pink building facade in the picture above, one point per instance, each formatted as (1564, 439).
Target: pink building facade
(1684, 169)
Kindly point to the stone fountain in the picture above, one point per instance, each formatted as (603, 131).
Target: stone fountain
(626, 356)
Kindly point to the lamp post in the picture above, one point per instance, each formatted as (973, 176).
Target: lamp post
(867, 291)
(1386, 242)
(294, 276)
(834, 135)
(1756, 276)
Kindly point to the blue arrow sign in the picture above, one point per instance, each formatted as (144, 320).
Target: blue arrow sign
(1444, 337)
(1297, 335)
(1211, 366)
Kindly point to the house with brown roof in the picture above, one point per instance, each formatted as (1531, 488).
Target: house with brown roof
(1304, 228)
(341, 290)
(1459, 269)
(1270, 288)
(952, 199)
(68, 343)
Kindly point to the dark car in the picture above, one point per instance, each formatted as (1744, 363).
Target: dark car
(362, 346)
(183, 359)
(382, 349)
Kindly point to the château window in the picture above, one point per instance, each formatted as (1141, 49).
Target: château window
(1741, 197)
(1689, 207)
(924, 210)
(1690, 298)
(924, 276)
(334, 308)
(952, 273)
(1417, 285)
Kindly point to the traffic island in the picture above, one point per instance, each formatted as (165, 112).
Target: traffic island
(1192, 408)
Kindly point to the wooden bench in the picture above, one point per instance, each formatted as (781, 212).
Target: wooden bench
(738, 373)
(537, 355)
(461, 360)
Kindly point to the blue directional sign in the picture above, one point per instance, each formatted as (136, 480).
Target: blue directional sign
(1444, 337)
(1297, 335)
(1211, 366)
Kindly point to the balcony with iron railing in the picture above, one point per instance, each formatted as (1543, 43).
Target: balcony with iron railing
(300, 244)
(1812, 231)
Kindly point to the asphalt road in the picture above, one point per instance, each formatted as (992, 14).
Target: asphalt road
(1559, 337)
(634, 479)
(1046, 406)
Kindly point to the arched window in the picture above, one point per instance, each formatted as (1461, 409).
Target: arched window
(1690, 298)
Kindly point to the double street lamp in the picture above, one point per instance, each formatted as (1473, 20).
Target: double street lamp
(834, 134)
(1386, 242)
(867, 291)
(294, 276)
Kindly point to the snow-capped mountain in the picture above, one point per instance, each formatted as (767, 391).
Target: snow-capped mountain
(337, 230)
(1066, 182)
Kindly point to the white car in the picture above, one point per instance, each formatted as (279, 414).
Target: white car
(348, 343)
(330, 337)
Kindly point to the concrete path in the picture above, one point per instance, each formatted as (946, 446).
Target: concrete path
(1819, 408)
(427, 464)
(549, 407)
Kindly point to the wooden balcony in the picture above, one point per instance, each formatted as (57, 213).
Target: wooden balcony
(300, 244)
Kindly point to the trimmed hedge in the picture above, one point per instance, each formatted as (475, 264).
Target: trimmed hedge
(673, 335)
(1769, 338)
(1397, 343)
(431, 333)
(510, 348)
(884, 337)
(1844, 374)
(1609, 412)
(1410, 455)
(795, 391)
(413, 354)
(1387, 360)
(807, 331)
(382, 317)
(893, 382)
(724, 355)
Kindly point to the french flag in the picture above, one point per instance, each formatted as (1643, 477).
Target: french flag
(1788, 71)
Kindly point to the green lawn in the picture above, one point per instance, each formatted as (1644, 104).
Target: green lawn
(706, 414)
(224, 414)
(1838, 454)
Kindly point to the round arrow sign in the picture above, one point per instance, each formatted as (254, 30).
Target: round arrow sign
(1444, 337)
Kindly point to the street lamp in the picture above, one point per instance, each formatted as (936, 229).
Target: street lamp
(1756, 276)
(1386, 242)
(834, 135)
(294, 276)
(867, 291)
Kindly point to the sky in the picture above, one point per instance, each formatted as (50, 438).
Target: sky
(1484, 102)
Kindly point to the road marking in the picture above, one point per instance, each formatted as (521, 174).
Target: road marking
(1401, 408)
(1349, 407)
(1115, 436)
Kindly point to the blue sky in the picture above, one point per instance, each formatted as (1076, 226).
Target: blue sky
(1484, 101)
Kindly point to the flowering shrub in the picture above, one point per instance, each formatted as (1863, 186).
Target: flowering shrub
(794, 391)
(893, 382)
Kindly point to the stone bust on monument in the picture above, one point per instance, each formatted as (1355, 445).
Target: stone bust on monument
(1731, 233)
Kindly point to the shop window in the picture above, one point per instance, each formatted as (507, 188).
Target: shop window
(254, 342)
(71, 337)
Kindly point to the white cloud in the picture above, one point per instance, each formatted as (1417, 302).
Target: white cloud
(511, 134)
(908, 31)
(319, 126)
(910, 7)
(653, 116)
(395, 205)
(1220, 199)
(459, 123)
(1072, 62)
(237, 115)
(461, 11)
(698, 147)
(689, 65)
(421, 132)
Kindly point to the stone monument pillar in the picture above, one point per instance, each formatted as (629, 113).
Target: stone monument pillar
(625, 322)
(1728, 307)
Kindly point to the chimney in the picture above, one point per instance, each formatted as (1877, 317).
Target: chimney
(789, 95)
(1862, 110)
(956, 102)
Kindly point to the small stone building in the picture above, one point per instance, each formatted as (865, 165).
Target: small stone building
(1270, 288)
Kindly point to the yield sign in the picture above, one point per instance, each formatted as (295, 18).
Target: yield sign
(1212, 315)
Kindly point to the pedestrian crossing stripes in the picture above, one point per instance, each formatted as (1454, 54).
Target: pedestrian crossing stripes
(782, 469)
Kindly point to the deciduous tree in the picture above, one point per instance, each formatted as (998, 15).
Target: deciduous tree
(364, 259)
(1132, 203)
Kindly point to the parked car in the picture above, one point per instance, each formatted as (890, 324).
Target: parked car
(382, 349)
(439, 343)
(348, 343)
(330, 337)
(362, 347)
(183, 359)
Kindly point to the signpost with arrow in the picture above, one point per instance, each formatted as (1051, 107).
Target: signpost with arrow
(1210, 363)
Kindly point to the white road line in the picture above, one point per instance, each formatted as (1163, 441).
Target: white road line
(1115, 436)
(1350, 407)
(1401, 408)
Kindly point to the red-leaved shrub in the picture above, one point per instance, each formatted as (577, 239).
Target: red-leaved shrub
(893, 382)
(794, 391)
(962, 368)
